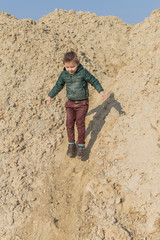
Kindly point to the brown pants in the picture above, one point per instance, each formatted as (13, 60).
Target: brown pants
(76, 112)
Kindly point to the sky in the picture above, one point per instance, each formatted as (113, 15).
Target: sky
(130, 11)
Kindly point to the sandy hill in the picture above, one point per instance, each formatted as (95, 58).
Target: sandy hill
(115, 193)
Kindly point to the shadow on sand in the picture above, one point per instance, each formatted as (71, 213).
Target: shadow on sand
(98, 121)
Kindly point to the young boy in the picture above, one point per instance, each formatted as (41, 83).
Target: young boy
(76, 79)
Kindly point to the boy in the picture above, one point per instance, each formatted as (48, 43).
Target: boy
(76, 79)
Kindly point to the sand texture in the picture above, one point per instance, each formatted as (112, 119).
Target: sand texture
(115, 193)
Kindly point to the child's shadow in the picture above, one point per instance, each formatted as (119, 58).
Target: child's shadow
(98, 121)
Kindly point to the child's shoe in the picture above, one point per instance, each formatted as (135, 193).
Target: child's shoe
(71, 152)
(81, 152)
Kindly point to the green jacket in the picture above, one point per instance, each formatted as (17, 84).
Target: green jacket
(76, 84)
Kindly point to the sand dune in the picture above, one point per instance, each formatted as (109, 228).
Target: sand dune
(115, 193)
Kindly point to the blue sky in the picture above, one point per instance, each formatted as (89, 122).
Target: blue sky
(130, 11)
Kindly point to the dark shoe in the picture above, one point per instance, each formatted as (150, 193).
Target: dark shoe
(80, 152)
(71, 152)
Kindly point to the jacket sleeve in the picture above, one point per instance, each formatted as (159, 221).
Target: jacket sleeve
(58, 87)
(93, 81)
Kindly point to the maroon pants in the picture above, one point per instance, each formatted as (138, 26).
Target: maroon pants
(76, 113)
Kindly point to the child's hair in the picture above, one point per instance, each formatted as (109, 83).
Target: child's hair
(70, 56)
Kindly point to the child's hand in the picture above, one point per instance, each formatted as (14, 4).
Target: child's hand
(47, 100)
(104, 95)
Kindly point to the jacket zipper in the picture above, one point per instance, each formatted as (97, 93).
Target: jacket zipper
(71, 78)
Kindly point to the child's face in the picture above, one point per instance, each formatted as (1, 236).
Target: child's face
(71, 67)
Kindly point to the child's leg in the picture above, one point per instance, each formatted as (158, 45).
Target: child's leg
(70, 121)
(80, 122)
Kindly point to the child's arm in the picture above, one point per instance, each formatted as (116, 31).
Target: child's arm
(55, 90)
(96, 84)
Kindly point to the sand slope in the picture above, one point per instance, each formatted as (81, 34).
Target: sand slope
(115, 193)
